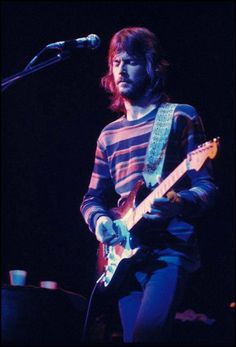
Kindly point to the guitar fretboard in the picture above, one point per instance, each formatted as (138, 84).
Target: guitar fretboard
(158, 192)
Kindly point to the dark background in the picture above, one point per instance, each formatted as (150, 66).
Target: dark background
(51, 120)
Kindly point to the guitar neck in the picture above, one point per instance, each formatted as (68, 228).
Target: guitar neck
(133, 218)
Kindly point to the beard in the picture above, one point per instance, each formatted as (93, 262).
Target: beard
(135, 90)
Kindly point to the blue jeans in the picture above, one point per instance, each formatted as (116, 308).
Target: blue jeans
(147, 314)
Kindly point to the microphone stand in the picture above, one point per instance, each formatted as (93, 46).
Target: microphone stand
(29, 69)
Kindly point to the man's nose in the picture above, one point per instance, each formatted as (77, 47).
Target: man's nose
(123, 69)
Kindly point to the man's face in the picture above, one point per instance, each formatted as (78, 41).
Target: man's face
(130, 75)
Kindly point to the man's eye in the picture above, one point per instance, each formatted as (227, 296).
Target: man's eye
(133, 62)
(116, 62)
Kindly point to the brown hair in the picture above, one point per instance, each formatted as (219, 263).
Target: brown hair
(136, 41)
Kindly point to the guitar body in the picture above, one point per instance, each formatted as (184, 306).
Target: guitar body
(118, 259)
(114, 262)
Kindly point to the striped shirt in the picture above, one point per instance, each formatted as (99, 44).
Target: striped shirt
(119, 163)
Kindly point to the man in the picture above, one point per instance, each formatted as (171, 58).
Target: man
(149, 297)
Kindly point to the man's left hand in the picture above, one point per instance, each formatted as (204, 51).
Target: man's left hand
(166, 207)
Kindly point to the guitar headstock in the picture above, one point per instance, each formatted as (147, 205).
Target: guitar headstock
(196, 158)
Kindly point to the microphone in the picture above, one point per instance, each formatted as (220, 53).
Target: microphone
(92, 41)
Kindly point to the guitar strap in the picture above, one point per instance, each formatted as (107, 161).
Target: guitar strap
(158, 144)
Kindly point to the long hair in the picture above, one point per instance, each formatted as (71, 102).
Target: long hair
(141, 42)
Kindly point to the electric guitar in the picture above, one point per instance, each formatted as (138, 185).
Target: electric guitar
(114, 261)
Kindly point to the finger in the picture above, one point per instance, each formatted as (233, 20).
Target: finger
(109, 238)
(152, 216)
(171, 195)
(114, 241)
(161, 201)
(117, 240)
(155, 210)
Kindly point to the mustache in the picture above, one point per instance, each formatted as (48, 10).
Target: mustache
(123, 79)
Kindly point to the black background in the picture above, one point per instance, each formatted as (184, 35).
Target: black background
(51, 120)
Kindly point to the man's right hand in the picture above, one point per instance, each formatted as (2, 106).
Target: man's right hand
(104, 231)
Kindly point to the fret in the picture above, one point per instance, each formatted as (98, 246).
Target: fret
(158, 192)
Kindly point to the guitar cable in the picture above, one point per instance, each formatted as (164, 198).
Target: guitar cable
(85, 327)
